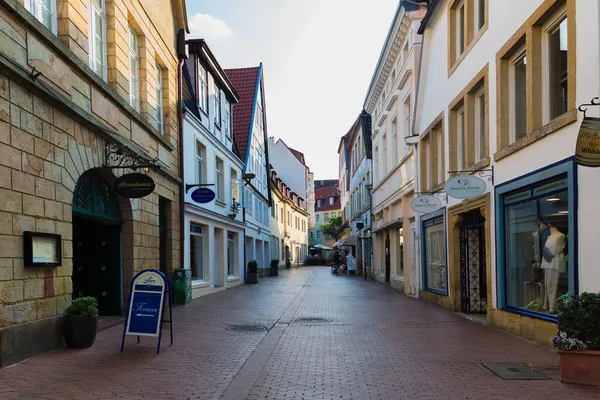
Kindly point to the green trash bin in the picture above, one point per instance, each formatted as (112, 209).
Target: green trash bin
(182, 286)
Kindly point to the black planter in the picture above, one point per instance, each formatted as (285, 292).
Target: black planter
(252, 277)
(80, 331)
(274, 271)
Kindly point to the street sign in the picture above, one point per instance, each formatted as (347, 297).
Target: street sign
(134, 185)
(203, 195)
(425, 204)
(465, 186)
(148, 293)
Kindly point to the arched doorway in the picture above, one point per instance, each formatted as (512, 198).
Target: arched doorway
(97, 242)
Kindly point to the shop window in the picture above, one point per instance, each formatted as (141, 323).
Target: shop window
(197, 252)
(231, 255)
(434, 255)
(536, 221)
(400, 253)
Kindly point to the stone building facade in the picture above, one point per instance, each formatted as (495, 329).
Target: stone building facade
(79, 78)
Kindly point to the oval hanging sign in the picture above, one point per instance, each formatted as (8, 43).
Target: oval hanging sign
(425, 204)
(587, 150)
(465, 186)
(203, 195)
(134, 185)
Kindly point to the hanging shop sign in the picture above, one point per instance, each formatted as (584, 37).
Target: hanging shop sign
(465, 186)
(148, 294)
(134, 185)
(203, 195)
(425, 204)
(587, 149)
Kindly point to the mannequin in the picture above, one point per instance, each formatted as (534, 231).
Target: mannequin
(536, 271)
(553, 264)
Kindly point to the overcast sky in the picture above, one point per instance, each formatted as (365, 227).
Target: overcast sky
(318, 58)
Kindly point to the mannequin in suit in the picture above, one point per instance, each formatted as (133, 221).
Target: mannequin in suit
(553, 264)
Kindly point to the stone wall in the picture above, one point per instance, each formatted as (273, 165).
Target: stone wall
(53, 128)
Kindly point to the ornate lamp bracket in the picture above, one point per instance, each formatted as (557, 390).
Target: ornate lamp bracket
(441, 195)
(482, 173)
(122, 157)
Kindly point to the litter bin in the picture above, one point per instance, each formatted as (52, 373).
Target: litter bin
(182, 286)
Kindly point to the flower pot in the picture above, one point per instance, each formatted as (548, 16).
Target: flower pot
(580, 366)
(80, 330)
(274, 271)
(252, 277)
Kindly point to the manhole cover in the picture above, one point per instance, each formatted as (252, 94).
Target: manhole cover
(248, 328)
(515, 371)
(312, 320)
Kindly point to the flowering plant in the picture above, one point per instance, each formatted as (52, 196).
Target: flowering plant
(562, 342)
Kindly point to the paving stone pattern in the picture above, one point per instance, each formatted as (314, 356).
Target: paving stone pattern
(373, 344)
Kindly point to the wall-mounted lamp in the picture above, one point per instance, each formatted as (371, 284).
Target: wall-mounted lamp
(247, 178)
(235, 209)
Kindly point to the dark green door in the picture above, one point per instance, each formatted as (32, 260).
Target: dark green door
(97, 243)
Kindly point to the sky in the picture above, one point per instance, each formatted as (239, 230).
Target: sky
(318, 60)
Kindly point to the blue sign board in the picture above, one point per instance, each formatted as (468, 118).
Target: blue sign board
(148, 293)
(203, 195)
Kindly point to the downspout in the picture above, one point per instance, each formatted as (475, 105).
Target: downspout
(182, 56)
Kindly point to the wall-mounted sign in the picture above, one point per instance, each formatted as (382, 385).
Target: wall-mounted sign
(425, 204)
(587, 150)
(465, 186)
(41, 249)
(134, 185)
(203, 195)
(149, 291)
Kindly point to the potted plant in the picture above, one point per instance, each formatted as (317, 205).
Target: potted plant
(578, 339)
(274, 268)
(252, 275)
(81, 322)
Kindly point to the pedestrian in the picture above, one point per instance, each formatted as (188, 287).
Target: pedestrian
(336, 261)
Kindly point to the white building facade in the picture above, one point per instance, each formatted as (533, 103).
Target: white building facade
(214, 231)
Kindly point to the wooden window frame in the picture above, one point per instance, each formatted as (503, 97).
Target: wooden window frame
(429, 154)
(471, 33)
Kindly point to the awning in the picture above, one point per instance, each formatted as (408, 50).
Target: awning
(393, 224)
(350, 240)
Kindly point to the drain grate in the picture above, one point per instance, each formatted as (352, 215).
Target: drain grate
(515, 371)
(248, 328)
(312, 320)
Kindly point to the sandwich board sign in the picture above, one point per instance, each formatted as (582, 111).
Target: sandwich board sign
(148, 293)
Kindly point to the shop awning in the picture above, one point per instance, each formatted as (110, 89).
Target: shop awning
(397, 223)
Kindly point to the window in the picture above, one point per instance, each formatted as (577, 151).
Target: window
(428, 160)
(98, 37)
(534, 264)
(227, 119)
(383, 154)
(326, 217)
(159, 99)
(400, 253)
(203, 88)
(249, 200)
(44, 11)
(318, 234)
(318, 218)
(557, 50)
(518, 97)
(480, 13)
(480, 126)
(235, 186)
(200, 167)
(281, 214)
(196, 252)
(331, 201)
(407, 117)
(231, 254)
(376, 164)
(310, 234)
(289, 218)
(218, 112)
(460, 139)
(460, 29)
(273, 213)
(219, 179)
(434, 253)
(467, 20)
(394, 142)
(134, 70)
(440, 160)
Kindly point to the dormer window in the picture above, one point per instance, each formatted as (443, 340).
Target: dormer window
(331, 199)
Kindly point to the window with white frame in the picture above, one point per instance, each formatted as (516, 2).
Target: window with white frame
(219, 179)
(159, 99)
(460, 29)
(518, 96)
(98, 37)
(555, 66)
(394, 142)
(407, 117)
(235, 186)
(134, 70)
(197, 252)
(480, 131)
(44, 11)
(200, 166)
(331, 200)
(460, 138)
(231, 254)
(376, 164)
(227, 119)
(218, 112)
(203, 88)
(384, 166)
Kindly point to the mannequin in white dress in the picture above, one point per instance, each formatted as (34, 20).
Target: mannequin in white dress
(553, 264)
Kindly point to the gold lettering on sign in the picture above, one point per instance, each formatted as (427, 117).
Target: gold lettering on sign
(587, 150)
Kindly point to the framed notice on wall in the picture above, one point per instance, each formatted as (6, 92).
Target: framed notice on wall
(42, 249)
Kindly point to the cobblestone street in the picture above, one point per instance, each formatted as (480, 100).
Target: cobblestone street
(373, 344)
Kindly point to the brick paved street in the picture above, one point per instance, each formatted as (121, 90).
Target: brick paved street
(378, 345)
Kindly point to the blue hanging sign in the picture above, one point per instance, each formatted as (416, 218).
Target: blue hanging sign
(203, 195)
(148, 293)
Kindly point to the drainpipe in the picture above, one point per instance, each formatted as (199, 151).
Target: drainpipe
(181, 54)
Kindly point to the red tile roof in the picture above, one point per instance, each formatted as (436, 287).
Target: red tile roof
(324, 193)
(298, 155)
(244, 82)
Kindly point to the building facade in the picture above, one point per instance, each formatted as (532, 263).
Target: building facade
(499, 98)
(327, 205)
(83, 97)
(250, 137)
(214, 231)
(390, 101)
